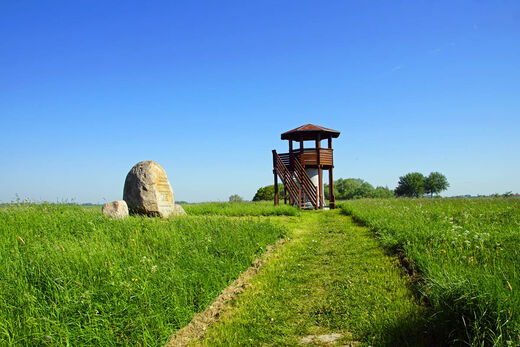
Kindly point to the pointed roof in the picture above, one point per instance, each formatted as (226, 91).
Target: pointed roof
(309, 132)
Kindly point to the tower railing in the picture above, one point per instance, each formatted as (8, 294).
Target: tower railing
(309, 156)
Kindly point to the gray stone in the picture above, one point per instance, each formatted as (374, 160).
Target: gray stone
(178, 210)
(326, 338)
(148, 191)
(116, 209)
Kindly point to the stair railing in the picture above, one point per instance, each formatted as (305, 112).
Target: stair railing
(306, 182)
(287, 178)
(297, 183)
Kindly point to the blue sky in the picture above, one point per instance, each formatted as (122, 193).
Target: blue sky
(205, 88)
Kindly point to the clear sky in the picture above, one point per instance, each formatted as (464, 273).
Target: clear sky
(205, 88)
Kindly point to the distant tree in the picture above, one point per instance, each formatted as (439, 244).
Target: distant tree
(435, 183)
(410, 185)
(364, 190)
(267, 192)
(356, 188)
(508, 194)
(383, 192)
(235, 198)
(264, 193)
(353, 188)
(326, 191)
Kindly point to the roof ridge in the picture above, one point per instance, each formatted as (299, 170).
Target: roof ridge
(308, 132)
(310, 127)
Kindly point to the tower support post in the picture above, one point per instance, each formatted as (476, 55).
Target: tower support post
(319, 196)
(320, 183)
(332, 198)
(275, 188)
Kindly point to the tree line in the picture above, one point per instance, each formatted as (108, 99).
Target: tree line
(413, 184)
(356, 188)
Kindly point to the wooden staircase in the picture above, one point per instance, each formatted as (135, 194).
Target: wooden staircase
(297, 183)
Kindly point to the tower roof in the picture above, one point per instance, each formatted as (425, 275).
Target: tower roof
(309, 132)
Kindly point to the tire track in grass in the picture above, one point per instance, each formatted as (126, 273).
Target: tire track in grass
(331, 285)
(196, 329)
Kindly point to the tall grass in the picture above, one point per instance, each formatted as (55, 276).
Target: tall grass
(467, 252)
(331, 278)
(69, 275)
(261, 208)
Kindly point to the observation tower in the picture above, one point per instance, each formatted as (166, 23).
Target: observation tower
(301, 169)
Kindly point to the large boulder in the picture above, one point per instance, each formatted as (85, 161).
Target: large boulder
(116, 209)
(147, 190)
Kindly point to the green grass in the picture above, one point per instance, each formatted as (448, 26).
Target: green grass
(331, 277)
(69, 275)
(261, 208)
(467, 252)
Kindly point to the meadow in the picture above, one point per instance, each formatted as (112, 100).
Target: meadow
(257, 208)
(69, 275)
(465, 256)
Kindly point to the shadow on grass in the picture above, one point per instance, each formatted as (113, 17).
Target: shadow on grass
(429, 330)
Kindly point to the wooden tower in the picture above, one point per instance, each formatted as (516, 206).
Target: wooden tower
(301, 170)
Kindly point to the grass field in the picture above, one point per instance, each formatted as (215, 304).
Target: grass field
(261, 208)
(69, 275)
(467, 254)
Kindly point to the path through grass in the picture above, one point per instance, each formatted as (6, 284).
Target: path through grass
(331, 277)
